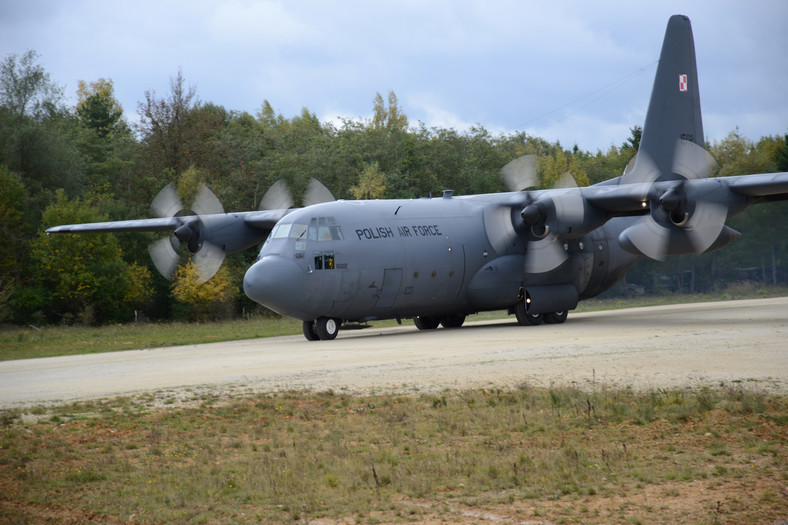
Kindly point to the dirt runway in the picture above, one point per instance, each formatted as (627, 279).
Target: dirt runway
(654, 347)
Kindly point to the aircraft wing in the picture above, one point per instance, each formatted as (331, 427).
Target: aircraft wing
(672, 217)
(774, 186)
(686, 216)
(259, 220)
(139, 225)
(623, 198)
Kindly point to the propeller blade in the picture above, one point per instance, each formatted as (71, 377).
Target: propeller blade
(566, 181)
(643, 170)
(166, 203)
(316, 193)
(647, 237)
(520, 173)
(206, 203)
(499, 228)
(692, 161)
(278, 197)
(164, 257)
(705, 225)
(631, 164)
(208, 260)
(544, 255)
(655, 240)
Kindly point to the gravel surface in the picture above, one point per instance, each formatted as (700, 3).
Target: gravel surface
(654, 347)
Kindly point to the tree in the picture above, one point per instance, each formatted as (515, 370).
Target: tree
(97, 106)
(553, 168)
(164, 125)
(13, 224)
(781, 155)
(391, 118)
(83, 276)
(36, 132)
(371, 183)
(203, 301)
(738, 156)
(633, 142)
(25, 87)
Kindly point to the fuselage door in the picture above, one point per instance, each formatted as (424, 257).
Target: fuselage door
(392, 280)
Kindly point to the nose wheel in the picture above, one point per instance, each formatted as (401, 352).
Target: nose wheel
(322, 328)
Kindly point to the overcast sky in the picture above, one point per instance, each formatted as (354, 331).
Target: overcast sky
(578, 72)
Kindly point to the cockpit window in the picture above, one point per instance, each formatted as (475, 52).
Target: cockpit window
(298, 231)
(318, 229)
(324, 229)
(281, 231)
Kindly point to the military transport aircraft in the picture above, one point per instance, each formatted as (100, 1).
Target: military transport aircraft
(335, 264)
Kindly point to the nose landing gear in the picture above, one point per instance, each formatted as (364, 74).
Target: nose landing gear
(322, 328)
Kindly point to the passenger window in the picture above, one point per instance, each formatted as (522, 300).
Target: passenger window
(318, 261)
(328, 260)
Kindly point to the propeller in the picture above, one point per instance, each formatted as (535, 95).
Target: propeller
(542, 216)
(520, 173)
(278, 197)
(684, 217)
(191, 232)
(548, 216)
(317, 193)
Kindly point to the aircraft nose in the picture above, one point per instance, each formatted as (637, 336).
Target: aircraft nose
(276, 283)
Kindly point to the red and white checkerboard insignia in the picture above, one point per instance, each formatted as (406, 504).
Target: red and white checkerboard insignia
(682, 82)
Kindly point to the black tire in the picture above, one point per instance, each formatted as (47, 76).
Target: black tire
(326, 328)
(524, 318)
(452, 321)
(555, 317)
(426, 322)
(309, 331)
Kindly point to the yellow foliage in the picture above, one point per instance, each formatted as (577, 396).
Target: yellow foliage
(189, 183)
(140, 291)
(371, 184)
(103, 88)
(202, 297)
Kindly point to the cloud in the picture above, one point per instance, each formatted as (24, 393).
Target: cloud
(263, 25)
(506, 64)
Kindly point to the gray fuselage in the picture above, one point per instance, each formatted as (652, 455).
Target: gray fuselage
(363, 260)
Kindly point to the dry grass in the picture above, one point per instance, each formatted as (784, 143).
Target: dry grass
(552, 455)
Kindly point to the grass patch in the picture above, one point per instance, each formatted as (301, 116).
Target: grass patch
(25, 342)
(526, 453)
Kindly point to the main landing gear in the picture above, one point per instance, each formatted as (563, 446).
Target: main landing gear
(524, 318)
(431, 322)
(322, 328)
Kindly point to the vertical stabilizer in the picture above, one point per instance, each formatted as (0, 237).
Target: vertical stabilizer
(673, 119)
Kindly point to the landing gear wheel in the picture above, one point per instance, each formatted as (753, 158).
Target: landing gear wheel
(452, 321)
(524, 318)
(555, 317)
(326, 328)
(309, 331)
(426, 322)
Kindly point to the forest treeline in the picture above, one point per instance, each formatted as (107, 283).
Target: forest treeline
(62, 164)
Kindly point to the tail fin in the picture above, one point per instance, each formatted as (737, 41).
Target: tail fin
(673, 116)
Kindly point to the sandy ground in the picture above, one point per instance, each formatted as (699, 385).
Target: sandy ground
(655, 347)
